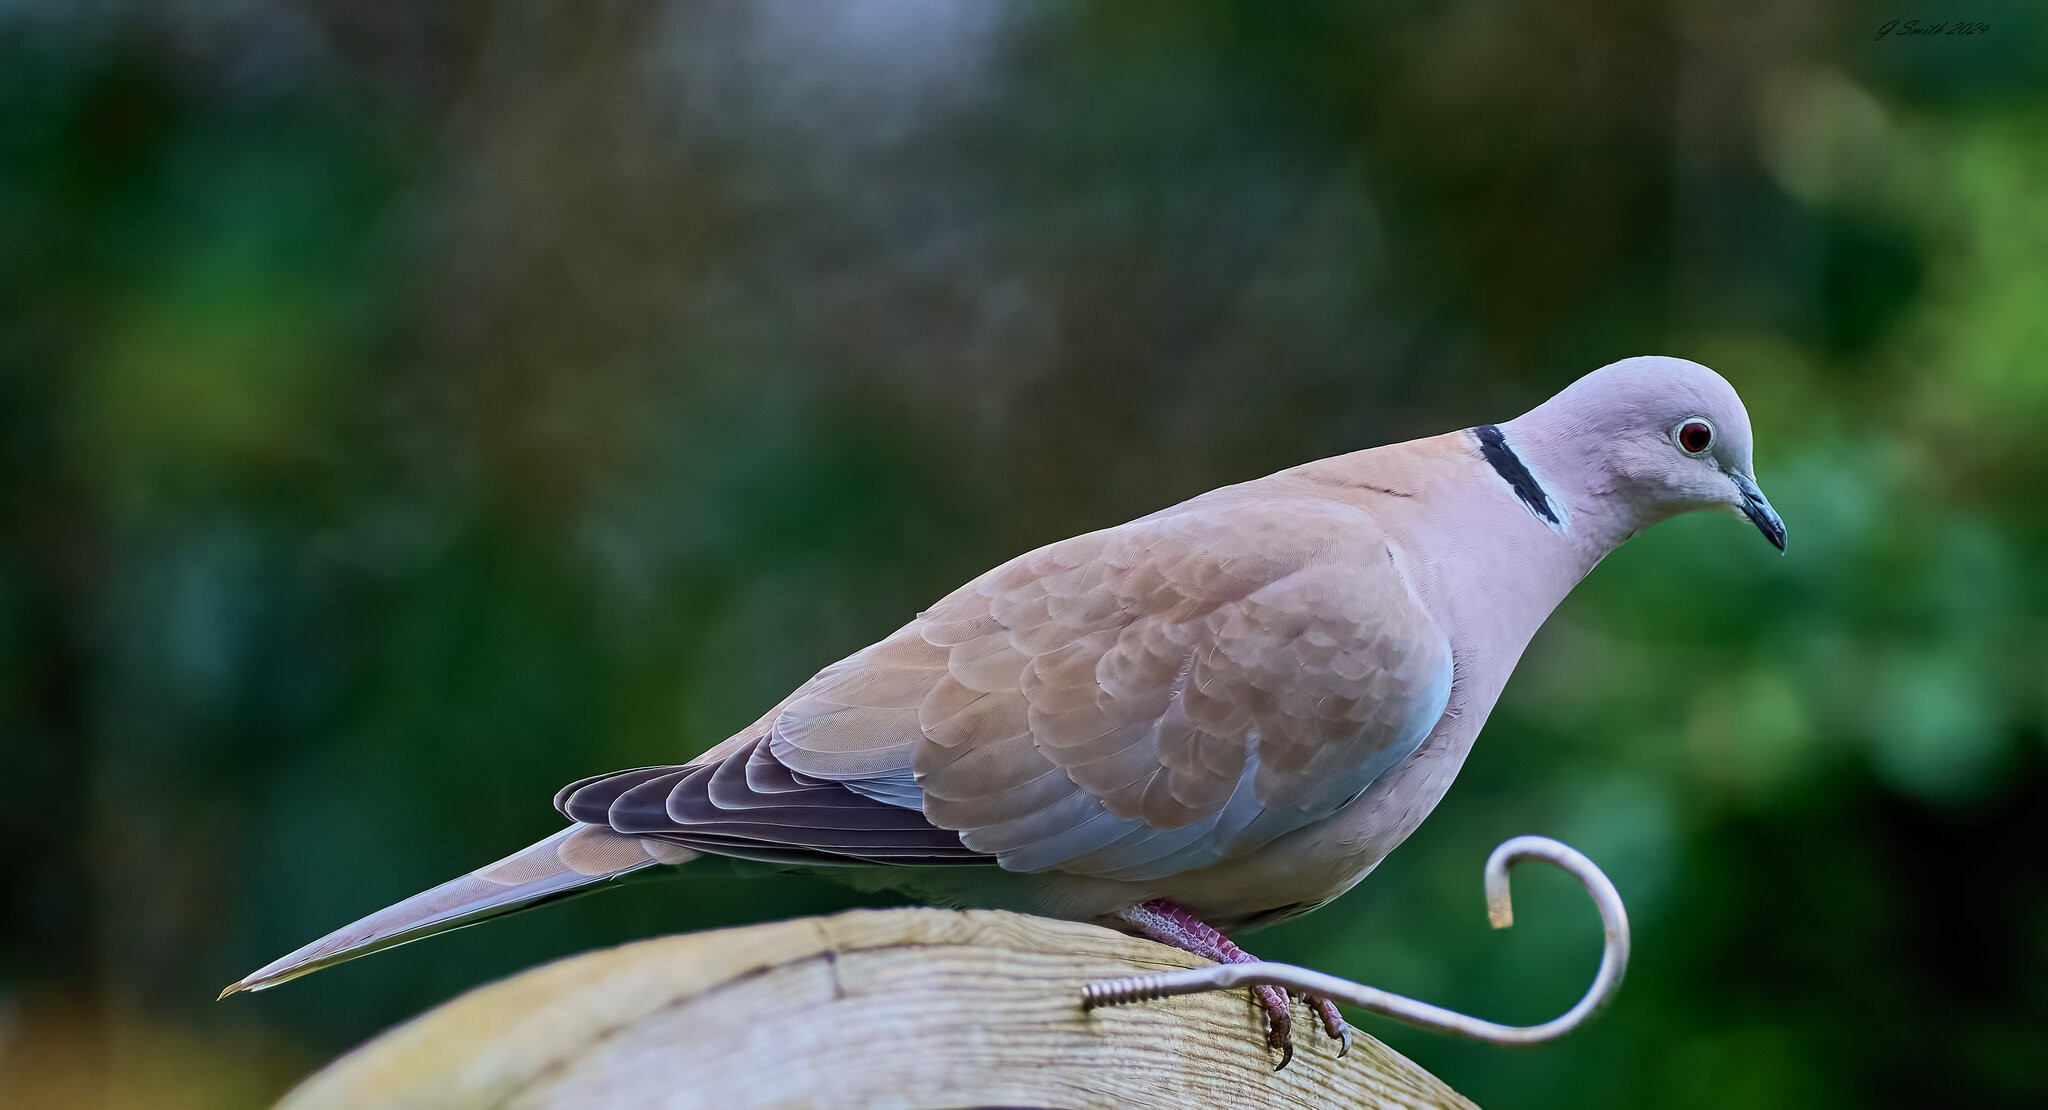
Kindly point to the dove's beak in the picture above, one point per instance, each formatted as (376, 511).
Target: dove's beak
(1758, 510)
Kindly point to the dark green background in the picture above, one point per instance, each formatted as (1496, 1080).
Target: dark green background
(403, 413)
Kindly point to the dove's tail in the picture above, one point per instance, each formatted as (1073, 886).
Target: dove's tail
(569, 862)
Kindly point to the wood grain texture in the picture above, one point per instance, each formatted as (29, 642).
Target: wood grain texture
(910, 1007)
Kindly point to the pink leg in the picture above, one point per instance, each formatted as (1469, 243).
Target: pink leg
(1170, 924)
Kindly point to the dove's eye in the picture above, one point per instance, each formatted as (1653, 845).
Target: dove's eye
(1694, 436)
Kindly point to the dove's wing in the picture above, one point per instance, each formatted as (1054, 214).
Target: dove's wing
(1126, 704)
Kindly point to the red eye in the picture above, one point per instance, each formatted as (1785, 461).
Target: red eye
(1695, 436)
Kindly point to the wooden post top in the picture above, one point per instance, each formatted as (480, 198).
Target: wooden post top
(904, 1007)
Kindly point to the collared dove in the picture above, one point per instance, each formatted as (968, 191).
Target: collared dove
(1209, 719)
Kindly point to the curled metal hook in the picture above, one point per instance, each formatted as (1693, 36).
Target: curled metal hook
(1422, 1015)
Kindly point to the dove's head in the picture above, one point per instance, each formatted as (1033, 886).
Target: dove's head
(1656, 437)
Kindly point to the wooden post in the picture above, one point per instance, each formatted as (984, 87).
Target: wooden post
(909, 1007)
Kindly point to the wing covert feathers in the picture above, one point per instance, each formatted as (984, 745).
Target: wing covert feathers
(1125, 704)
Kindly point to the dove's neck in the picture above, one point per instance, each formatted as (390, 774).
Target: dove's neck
(1596, 511)
(1466, 516)
(1490, 529)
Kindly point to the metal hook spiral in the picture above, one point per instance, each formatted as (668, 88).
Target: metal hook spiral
(1422, 1015)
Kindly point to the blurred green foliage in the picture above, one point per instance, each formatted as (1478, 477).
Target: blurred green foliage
(403, 412)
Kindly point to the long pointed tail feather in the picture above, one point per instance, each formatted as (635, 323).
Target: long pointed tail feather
(569, 862)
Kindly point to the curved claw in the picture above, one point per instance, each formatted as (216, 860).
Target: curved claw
(1279, 1022)
(1422, 1015)
(1333, 1023)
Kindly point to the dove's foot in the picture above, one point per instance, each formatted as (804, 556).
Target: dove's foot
(1169, 923)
